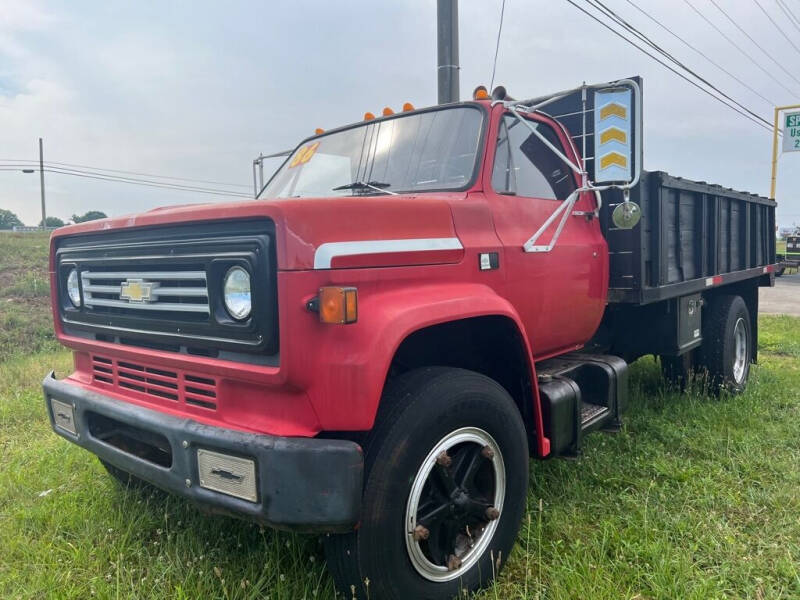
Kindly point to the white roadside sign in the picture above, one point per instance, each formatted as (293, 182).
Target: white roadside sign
(791, 132)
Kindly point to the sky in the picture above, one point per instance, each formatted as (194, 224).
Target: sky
(198, 89)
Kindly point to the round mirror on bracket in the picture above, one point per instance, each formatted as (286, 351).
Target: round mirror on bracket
(626, 215)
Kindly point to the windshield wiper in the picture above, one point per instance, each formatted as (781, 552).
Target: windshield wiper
(366, 185)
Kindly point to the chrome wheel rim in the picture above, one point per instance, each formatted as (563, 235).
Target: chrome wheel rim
(739, 350)
(455, 504)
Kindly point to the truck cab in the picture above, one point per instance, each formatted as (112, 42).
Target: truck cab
(373, 348)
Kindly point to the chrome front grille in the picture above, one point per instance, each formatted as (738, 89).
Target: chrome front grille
(179, 291)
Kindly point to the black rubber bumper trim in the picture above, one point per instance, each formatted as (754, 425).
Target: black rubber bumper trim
(304, 484)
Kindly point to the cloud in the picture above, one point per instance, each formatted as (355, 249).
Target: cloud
(197, 89)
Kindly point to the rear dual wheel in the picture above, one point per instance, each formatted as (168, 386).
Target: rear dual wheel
(445, 487)
(728, 343)
(727, 350)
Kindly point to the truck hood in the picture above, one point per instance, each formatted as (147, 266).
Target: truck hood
(323, 233)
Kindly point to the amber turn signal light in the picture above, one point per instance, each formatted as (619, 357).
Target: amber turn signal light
(480, 93)
(338, 305)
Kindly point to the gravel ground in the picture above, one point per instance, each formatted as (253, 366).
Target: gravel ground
(783, 299)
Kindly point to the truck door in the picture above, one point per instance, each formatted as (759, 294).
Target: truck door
(561, 294)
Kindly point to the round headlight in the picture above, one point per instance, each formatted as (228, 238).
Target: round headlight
(73, 290)
(236, 293)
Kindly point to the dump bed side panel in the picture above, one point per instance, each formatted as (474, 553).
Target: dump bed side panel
(690, 231)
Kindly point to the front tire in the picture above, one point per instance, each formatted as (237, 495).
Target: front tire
(445, 487)
(125, 479)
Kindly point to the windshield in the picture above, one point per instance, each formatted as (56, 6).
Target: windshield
(432, 150)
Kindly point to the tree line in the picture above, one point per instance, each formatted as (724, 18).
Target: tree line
(8, 220)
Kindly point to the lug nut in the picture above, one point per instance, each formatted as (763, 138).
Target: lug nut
(492, 513)
(487, 452)
(444, 459)
(453, 562)
(421, 533)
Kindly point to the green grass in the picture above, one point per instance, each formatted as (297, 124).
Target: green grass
(697, 497)
(68, 531)
(26, 324)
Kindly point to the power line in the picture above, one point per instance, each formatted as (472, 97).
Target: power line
(791, 12)
(749, 37)
(766, 14)
(788, 12)
(663, 64)
(123, 178)
(700, 52)
(497, 45)
(131, 181)
(613, 15)
(244, 185)
(157, 185)
(598, 4)
(66, 170)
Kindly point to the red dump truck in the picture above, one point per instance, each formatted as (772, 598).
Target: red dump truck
(414, 307)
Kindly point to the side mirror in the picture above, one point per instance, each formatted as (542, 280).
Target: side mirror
(626, 215)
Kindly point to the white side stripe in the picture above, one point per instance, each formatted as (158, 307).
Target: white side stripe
(327, 252)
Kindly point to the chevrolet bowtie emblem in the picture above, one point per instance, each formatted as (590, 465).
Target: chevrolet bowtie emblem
(136, 290)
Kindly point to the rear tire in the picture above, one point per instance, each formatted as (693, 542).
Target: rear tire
(727, 343)
(431, 434)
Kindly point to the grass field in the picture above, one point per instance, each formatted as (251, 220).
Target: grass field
(697, 497)
(26, 324)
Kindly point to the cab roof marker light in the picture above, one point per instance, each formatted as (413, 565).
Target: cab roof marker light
(407, 106)
(368, 116)
(480, 93)
(387, 112)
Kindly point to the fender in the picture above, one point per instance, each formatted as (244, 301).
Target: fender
(356, 360)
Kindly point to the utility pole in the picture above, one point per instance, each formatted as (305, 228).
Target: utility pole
(447, 55)
(41, 182)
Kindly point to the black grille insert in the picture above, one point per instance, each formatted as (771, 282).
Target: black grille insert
(174, 278)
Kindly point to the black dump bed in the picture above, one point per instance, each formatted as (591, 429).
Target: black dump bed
(690, 232)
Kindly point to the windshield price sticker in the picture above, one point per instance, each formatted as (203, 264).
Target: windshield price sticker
(791, 132)
(304, 155)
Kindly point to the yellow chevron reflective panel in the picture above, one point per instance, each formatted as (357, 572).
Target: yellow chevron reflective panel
(614, 109)
(613, 134)
(613, 158)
